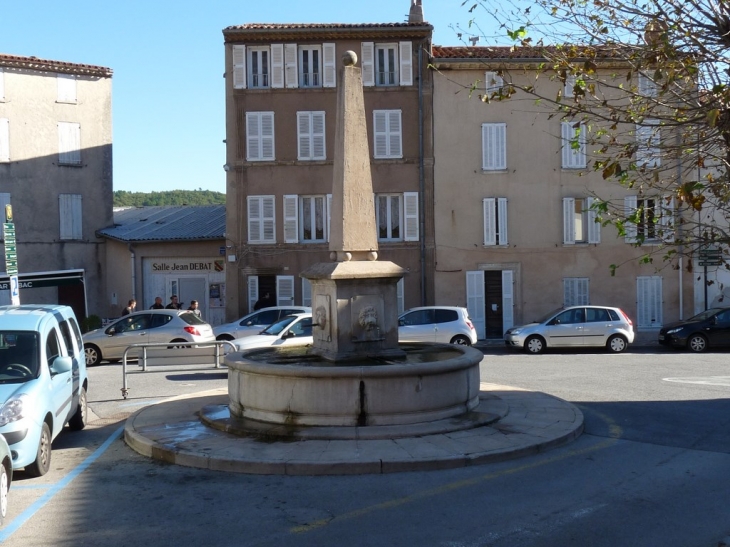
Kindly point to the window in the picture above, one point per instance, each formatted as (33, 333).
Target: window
(53, 347)
(258, 67)
(397, 216)
(575, 291)
(66, 88)
(307, 218)
(579, 222)
(494, 147)
(259, 136)
(4, 140)
(261, 219)
(650, 220)
(495, 221)
(493, 82)
(306, 292)
(69, 143)
(310, 136)
(574, 145)
(569, 87)
(310, 66)
(69, 207)
(387, 134)
(647, 87)
(387, 64)
(647, 144)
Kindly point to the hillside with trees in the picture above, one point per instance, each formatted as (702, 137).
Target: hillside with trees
(123, 198)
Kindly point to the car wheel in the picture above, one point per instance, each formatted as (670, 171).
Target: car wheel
(78, 420)
(93, 355)
(225, 337)
(697, 343)
(534, 344)
(4, 487)
(461, 340)
(42, 462)
(617, 343)
(179, 344)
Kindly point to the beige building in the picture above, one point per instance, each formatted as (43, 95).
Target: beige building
(280, 127)
(56, 172)
(515, 235)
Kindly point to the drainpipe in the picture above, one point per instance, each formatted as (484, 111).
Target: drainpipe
(681, 246)
(421, 177)
(134, 274)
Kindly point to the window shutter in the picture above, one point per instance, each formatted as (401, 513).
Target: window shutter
(267, 135)
(410, 208)
(66, 88)
(253, 136)
(380, 130)
(4, 140)
(569, 89)
(494, 156)
(329, 214)
(490, 227)
(239, 67)
(405, 51)
(291, 72)
(253, 291)
(291, 218)
(254, 219)
(573, 158)
(69, 207)
(666, 218)
(594, 228)
(647, 87)
(329, 78)
(318, 140)
(261, 219)
(284, 290)
(475, 301)
(508, 300)
(630, 205)
(582, 292)
(568, 292)
(394, 134)
(368, 64)
(306, 292)
(269, 225)
(493, 82)
(400, 295)
(69, 143)
(502, 204)
(304, 139)
(648, 301)
(648, 139)
(568, 221)
(277, 66)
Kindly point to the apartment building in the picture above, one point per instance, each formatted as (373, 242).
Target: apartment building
(280, 127)
(515, 233)
(56, 172)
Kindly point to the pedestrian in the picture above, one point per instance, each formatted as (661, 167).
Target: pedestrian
(194, 308)
(263, 302)
(131, 306)
(158, 304)
(174, 304)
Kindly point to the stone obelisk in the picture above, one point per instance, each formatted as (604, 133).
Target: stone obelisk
(354, 297)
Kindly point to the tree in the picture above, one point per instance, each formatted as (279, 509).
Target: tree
(647, 88)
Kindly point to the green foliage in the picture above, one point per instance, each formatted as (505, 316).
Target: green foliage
(92, 322)
(123, 198)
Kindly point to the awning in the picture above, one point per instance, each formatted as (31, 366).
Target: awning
(44, 279)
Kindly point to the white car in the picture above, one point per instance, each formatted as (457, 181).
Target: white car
(254, 323)
(290, 331)
(443, 324)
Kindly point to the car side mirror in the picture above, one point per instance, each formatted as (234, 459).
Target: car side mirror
(249, 323)
(61, 364)
(111, 330)
(401, 322)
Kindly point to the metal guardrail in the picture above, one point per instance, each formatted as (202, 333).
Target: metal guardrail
(172, 356)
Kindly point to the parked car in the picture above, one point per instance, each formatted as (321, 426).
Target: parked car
(444, 324)
(148, 326)
(290, 331)
(255, 322)
(43, 381)
(708, 329)
(6, 476)
(575, 326)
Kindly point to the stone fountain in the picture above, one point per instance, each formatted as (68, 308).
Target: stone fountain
(356, 381)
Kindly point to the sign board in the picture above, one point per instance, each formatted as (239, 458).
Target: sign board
(14, 290)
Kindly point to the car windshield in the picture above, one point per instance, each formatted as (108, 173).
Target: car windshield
(276, 328)
(18, 356)
(191, 319)
(705, 314)
(544, 318)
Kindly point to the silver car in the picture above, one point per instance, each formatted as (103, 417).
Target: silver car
(444, 324)
(149, 326)
(290, 331)
(255, 322)
(576, 326)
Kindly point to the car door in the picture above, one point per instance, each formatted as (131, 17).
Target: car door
(566, 328)
(298, 334)
(61, 382)
(445, 325)
(130, 329)
(718, 331)
(160, 328)
(598, 325)
(257, 322)
(417, 326)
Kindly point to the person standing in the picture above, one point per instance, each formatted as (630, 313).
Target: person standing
(158, 304)
(131, 306)
(174, 304)
(194, 308)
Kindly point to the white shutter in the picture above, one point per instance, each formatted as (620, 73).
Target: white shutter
(395, 149)
(261, 219)
(647, 87)
(649, 302)
(569, 89)
(494, 152)
(306, 292)
(4, 140)
(284, 290)
(277, 66)
(594, 228)
(573, 158)
(400, 295)
(329, 78)
(405, 51)
(291, 218)
(380, 131)
(568, 292)
(253, 136)
(508, 300)
(267, 135)
(268, 224)
(253, 291)
(291, 72)
(319, 151)
(502, 214)
(648, 138)
(69, 208)
(329, 214)
(69, 143)
(368, 64)
(630, 204)
(493, 82)
(575, 291)
(568, 221)
(490, 221)
(582, 292)
(66, 88)
(410, 213)
(255, 221)
(475, 301)
(304, 137)
(239, 66)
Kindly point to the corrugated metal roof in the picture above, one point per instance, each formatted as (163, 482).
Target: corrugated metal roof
(34, 63)
(168, 223)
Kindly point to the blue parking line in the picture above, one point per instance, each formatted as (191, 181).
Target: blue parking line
(21, 519)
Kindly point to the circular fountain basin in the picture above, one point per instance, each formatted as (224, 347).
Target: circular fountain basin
(296, 388)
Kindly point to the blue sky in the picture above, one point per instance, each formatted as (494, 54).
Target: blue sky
(168, 61)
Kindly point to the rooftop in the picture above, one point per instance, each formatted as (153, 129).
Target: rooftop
(167, 223)
(34, 63)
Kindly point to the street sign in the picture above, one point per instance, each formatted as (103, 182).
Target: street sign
(710, 257)
(14, 290)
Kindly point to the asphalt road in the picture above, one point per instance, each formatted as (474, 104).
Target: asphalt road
(652, 468)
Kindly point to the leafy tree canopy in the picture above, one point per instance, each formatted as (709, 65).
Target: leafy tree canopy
(123, 198)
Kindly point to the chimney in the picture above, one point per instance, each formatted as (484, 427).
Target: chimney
(415, 15)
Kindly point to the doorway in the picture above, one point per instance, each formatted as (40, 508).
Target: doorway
(493, 300)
